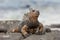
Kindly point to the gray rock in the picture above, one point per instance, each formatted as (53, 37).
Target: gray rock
(54, 35)
(54, 25)
(8, 24)
(11, 36)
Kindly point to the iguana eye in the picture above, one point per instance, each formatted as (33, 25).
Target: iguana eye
(33, 10)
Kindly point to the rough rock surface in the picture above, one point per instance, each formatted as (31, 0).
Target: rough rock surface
(54, 35)
(10, 36)
(54, 25)
(6, 25)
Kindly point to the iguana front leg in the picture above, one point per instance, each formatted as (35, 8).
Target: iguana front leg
(24, 31)
(40, 29)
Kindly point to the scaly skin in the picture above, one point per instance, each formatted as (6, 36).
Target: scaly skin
(32, 18)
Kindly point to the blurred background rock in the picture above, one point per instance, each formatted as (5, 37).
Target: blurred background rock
(7, 25)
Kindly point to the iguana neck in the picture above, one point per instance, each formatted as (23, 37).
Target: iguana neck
(33, 20)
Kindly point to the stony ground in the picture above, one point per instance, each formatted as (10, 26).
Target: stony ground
(6, 25)
(54, 35)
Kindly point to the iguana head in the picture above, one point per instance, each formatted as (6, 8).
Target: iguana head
(31, 15)
(34, 13)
